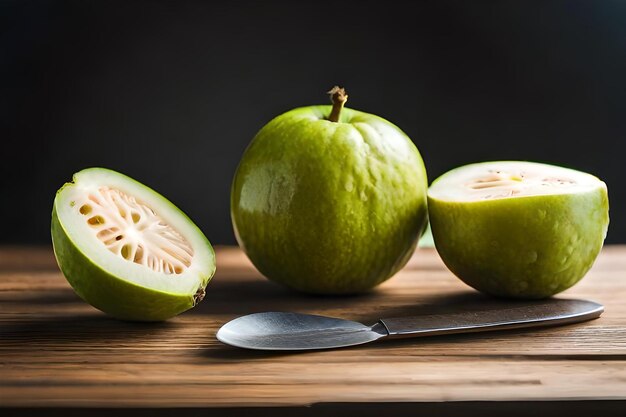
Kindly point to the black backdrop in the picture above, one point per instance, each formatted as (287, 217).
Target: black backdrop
(171, 92)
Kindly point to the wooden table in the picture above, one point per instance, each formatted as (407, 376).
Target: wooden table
(59, 353)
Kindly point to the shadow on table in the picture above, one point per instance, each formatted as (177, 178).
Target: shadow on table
(222, 352)
(238, 297)
(78, 327)
(49, 297)
(606, 408)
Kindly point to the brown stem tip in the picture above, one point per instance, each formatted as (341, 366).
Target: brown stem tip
(338, 97)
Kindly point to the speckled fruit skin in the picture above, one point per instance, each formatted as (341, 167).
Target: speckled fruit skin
(329, 207)
(529, 247)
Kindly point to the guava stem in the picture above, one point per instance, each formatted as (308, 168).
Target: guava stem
(339, 97)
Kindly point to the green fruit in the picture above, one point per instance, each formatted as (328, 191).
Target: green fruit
(126, 250)
(518, 229)
(329, 201)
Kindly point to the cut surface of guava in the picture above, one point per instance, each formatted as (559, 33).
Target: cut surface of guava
(112, 233)
(509, 179)
(518, 229)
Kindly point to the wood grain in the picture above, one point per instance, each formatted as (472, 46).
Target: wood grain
(57, 351)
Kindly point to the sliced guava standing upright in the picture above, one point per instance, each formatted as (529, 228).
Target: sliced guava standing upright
(518, 229)
(127, 250)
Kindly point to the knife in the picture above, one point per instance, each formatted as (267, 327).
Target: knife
(296, 331)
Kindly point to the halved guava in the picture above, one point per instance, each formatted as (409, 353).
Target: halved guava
(127, 250)
(518, 229)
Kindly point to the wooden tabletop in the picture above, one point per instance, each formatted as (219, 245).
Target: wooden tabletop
(60, 353)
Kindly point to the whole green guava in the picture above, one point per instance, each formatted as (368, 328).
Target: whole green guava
(329, 200)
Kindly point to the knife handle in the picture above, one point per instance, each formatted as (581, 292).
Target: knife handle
(543, 313)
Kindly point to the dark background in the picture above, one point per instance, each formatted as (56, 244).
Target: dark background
(171, 92)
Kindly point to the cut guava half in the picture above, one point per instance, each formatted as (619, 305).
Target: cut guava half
(518, 229)
(127, 250)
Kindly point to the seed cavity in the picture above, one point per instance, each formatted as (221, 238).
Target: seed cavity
(96, 220)
(558, 181)
(126, 251)
(141, 237)
(139, 255)
(479, 185)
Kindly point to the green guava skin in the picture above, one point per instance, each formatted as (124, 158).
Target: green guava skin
(329, 207)
(528, 247)
(118, 298)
